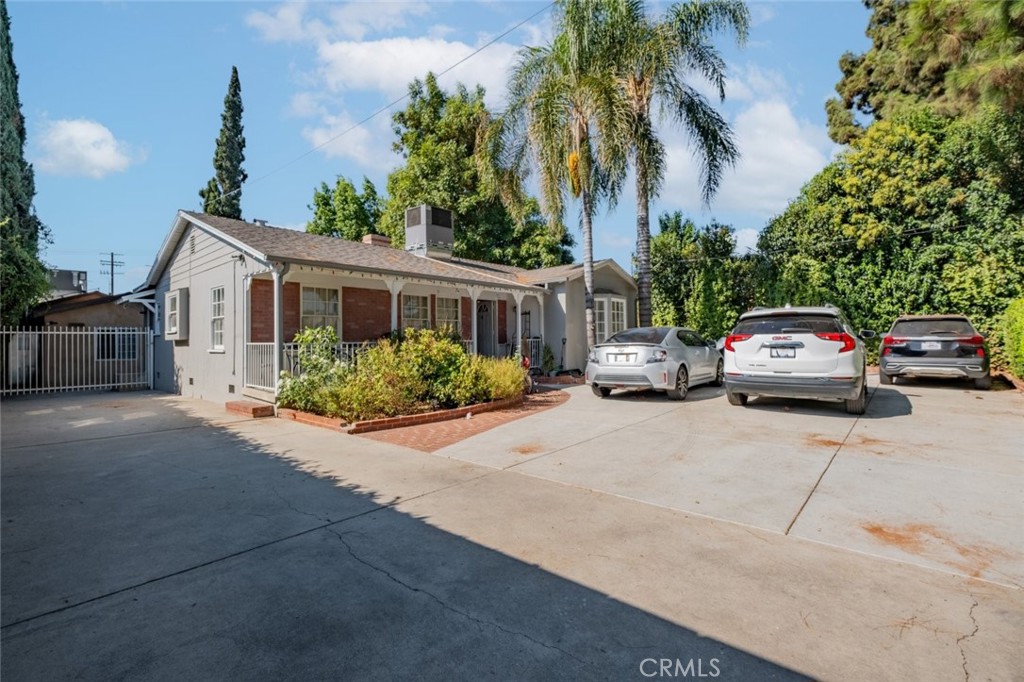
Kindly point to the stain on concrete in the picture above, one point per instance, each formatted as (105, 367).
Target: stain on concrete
(528, 449)
(816, 439)
(933, 543)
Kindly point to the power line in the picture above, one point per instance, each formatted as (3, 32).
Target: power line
(388, 106)
(112, 263)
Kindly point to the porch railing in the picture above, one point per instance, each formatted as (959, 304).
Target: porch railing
(259, 366)
(346, 351)
(55, 359)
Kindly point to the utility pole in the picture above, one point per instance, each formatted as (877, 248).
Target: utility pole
(111, 264)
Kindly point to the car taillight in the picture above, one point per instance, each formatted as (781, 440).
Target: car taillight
(735, 338)
(973, 341)
(843, 338)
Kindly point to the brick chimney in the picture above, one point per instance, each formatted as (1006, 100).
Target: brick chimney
(376, 240)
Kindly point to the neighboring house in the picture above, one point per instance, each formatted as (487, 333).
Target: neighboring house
(230, 295)
(76, 341)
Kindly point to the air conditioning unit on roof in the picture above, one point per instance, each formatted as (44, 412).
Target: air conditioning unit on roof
(428, 231)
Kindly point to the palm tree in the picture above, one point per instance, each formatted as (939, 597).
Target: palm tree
(560, 97)
(654, 60)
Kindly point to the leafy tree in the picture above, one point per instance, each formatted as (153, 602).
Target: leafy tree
(887, 77)
(222, 195)
(344, 212)
(653, 60)
(949, 54)
(981, 40)
(437, 135)
(559, 98)
(23, 277)
(923, 214)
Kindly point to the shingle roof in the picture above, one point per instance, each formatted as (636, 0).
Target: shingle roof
(276, 243)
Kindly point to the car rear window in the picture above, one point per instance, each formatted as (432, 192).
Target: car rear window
(941, 327)
(789, 324)
(640, 335)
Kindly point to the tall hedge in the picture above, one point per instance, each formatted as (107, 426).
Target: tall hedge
(1013, 337)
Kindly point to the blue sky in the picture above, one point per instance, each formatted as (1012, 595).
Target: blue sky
(122, 102)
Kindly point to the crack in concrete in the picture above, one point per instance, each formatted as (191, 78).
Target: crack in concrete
(296, 509)
(448, 607)
(963, 638)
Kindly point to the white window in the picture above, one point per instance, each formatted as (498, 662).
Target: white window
(415, 312)
(320, 308)
(609, 316)
(618, 316)
(172, 312)
(176, 314)
(116, 344)
(217, 318)
(448, 314)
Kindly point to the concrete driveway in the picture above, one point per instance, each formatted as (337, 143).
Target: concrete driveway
(932, 474)
(150, 537)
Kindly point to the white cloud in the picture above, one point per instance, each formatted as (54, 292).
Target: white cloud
(760, 13)
(286, 24)
(368, 144)
(84, 148)
(746, 240)
(356, 20)
(779, 154)
(390, 64)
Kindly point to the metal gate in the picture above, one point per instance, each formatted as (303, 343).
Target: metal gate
(58, 359)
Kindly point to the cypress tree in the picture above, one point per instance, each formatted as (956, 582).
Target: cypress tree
(23, 277)
(223, 193)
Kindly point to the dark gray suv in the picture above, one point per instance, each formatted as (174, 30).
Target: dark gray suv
(943, 346)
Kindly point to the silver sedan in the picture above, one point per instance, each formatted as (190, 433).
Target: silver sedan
(670, 359)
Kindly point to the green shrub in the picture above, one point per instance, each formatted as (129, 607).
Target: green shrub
(321, 373)
(436, 360)
(1013, 337)
(547, 360)
(382, 385)
(504, 378)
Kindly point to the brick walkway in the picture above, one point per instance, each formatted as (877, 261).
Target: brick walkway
(431, 437)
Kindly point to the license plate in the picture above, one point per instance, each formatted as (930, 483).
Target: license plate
(931, 345)
(622, 358)
(782, 352)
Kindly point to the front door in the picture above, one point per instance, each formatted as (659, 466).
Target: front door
(486, 326)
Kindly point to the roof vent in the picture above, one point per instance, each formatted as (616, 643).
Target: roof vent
(260, 221)
(376, 240)
(428, 231)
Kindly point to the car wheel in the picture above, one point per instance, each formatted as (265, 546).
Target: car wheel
(983, 383)
(600, 391)
(681, 388)
(739, 399)
(885, 379)
(858, 405)
(719, 374)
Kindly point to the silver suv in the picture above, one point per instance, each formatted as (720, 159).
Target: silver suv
(796, 353)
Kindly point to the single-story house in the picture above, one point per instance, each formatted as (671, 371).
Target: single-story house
(228, 297)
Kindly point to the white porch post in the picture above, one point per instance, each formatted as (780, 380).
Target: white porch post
(474, 294)
(395, 287)
(279, 270)
(541, 300)
(518, 296)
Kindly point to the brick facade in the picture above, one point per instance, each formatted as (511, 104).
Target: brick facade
(365, 313)
(466, 319)
(261, 310)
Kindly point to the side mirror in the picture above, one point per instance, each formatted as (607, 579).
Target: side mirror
(711, 343)
(867, 334)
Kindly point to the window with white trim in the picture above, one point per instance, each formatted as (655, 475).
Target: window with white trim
(448, 314)
(415, 311)
(116, 344)
(320, 308)
(172, 312)
(609, 316)
(217, 318)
